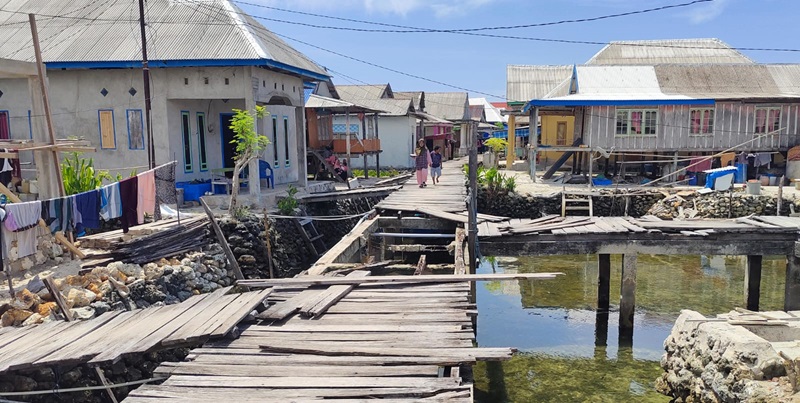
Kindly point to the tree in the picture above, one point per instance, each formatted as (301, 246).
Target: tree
(248, 146)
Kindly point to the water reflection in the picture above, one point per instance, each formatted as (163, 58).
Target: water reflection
(571, 352)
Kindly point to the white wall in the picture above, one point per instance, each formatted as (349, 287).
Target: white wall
(397, 139)
(76, 97)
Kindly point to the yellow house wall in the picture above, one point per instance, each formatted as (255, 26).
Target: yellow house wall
(549, 127)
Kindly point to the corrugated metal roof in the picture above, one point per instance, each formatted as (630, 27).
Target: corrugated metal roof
(672, 51)
(109, 32)
(490, 112)
(414, 96)
(371, 91)
(718, 81)
(786, 77)
(631, 80)
(533, 82)
(392, 107)
(336, 105)
(452, 106)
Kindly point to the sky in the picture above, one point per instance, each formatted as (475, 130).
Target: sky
(478, 64)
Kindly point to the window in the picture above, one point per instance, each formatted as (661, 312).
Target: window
(108, 137)
(561, 134)
(135, 129)
(286, 138)
(275, 142)
(340, 129)
(637, 122)
(768, 120)
(186, 134)
(5, 125)
(701, 121)
(201, 140)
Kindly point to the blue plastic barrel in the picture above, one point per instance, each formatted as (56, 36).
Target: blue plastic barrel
(741, 173)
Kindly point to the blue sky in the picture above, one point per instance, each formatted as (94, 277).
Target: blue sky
(479, 64)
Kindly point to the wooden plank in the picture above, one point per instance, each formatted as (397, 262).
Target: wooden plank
(252, 332)
(294, 382)
(235, 317)
(256, 357)
(479, 353)
(433, 278)
(326, 371)
(256, 342)
(212, 306)
(237, 271)
(58, 297)
(318, 306)
(366, 328)
(223, 394)
(284, 309)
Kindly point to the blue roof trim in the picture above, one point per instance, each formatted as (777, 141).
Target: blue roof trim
(131, 64)
(625, 102)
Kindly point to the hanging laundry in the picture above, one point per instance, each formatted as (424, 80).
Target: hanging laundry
(6, 170)
(762, 159)
(725, 159)
(699, 164)
(128, 191)
(21, 226)
(165, 187)
(147, 195)
(110, 202)
(87, 206)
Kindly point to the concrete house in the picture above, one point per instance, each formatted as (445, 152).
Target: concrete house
(664, 98)
(206, 58)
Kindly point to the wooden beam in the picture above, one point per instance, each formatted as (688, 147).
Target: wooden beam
(752, 279)
(426, 278)
(422, 266)
(237, 271)
(791, 299)
(603, 282)
(627, 304)
(59, 236)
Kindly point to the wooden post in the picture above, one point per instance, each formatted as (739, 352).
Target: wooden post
(269, 245)
(780, 195)
(362, 118)
(603, 281)
(791, 297)
(512, 138)
(752, 281)
(533, 138)
(222, 242)
(378, 153)
(46, 101)
(601, 329)
(347, 137)
(627, 305)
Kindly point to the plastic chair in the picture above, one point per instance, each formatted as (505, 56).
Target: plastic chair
(265, 173)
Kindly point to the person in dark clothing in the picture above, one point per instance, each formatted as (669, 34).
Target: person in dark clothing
(344, 170)
(436, 164)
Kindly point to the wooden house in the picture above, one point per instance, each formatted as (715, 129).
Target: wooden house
(662, 99)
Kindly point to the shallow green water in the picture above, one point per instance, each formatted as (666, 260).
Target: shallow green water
(554, 324)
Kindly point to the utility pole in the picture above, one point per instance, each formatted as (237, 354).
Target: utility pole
(151, 149)
(472, 231)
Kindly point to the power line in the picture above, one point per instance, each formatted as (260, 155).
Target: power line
(541, 24)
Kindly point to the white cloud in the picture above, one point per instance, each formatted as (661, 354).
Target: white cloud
(440, 8)
(708, 12)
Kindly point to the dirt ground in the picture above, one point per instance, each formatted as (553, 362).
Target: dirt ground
(21, 279)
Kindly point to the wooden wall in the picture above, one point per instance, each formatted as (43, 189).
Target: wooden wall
(734, 125)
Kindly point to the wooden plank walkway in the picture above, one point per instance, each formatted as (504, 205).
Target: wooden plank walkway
(448, 196)
(111, 336)
(394, 342)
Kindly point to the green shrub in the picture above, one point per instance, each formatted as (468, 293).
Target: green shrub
(497, 145)
(80, 176)
(288, 204)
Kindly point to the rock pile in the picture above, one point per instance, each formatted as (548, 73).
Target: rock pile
(719, 205)
(333, 231)
(715, 361)
(128, 369)
(120, 286)
(609, 203)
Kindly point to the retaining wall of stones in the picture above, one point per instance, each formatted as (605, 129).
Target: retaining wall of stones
(610, 203)
(715, 361)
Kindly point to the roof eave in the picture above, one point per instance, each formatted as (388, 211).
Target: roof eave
(614, 102)
(129, 64)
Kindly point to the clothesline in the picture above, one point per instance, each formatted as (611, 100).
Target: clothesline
(129, 199)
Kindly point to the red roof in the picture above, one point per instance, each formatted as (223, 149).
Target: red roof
(500, 105)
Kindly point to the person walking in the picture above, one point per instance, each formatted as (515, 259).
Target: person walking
(344, 170)
(436, 165)
(422, 161)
